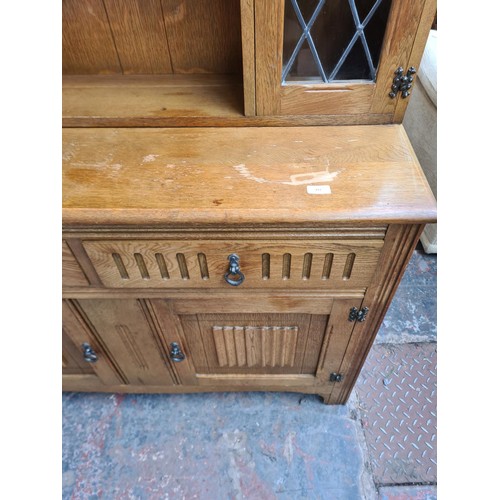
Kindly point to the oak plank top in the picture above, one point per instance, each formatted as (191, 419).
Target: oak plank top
(249, 175)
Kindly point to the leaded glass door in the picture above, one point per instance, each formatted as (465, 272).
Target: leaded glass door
(336, 57)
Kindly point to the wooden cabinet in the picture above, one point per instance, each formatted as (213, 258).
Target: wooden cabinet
(226, 227)
(344, 64)
(238, 62)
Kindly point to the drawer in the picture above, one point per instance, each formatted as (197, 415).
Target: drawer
(261, 264)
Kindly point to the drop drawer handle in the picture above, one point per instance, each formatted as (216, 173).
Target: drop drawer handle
(89, 354)
(234, 270)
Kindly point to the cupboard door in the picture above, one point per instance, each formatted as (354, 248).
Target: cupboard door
(227, 344)
(84, 357)
(125, 328)
(335, 57)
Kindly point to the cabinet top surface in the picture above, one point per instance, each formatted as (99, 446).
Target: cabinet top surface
(297, 175)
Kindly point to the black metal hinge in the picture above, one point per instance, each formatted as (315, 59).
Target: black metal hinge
(402, 83)
(358, 315)
(336, 377)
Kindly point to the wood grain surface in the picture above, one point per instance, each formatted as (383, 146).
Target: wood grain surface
(194, 100)
(278, 264)
(123, 327)
(125, 98)
(400, 243)
(72, 274)
(139, 35)
(87, 41)
(426, 21)
(404, 29)
(151, 36)
(204, 37)
(242, 175)
(247, 8)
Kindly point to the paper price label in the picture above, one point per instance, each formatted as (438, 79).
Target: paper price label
(319, 190)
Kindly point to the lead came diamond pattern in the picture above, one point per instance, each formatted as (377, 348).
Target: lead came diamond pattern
(359, 36)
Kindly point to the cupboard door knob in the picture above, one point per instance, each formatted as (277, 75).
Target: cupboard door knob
(89, 354)
(175, 353)
(234, 270)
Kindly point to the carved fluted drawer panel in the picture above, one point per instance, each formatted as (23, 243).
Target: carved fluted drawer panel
(346, 264)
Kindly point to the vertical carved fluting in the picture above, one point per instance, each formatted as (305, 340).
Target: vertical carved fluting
(349, 263)
(306, 267)
(255, 346)
(183, 269)
(139, 259)
(202, 261)
(266, 266)
(327, 266)
(162, 266)
(287, 262)
(120, 266)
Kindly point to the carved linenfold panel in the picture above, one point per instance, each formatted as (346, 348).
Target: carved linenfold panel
(265, 264)
(255, 346)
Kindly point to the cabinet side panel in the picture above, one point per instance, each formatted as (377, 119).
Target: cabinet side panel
(400, 243)
(428, 16)
(401, 30)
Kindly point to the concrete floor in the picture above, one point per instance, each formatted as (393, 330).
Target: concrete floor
(381, 445)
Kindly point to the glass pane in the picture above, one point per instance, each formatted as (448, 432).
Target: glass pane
(321, 43)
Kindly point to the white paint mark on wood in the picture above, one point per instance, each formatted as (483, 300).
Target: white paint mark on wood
(243, 171)
(149, 158)
(295, 179)
(311, 178)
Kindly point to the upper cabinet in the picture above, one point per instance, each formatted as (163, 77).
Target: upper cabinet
(337, 57)
(237, 62)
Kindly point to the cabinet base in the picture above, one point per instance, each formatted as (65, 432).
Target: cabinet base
(90, 383)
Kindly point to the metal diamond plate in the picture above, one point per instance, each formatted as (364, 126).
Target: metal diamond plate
(397, 398)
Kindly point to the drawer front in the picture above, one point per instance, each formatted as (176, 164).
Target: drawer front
(277, 264)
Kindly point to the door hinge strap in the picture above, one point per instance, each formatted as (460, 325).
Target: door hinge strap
(358, 315)
(402, 83)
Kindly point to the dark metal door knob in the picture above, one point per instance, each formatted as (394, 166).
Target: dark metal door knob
(89, 354)
(175, 353)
